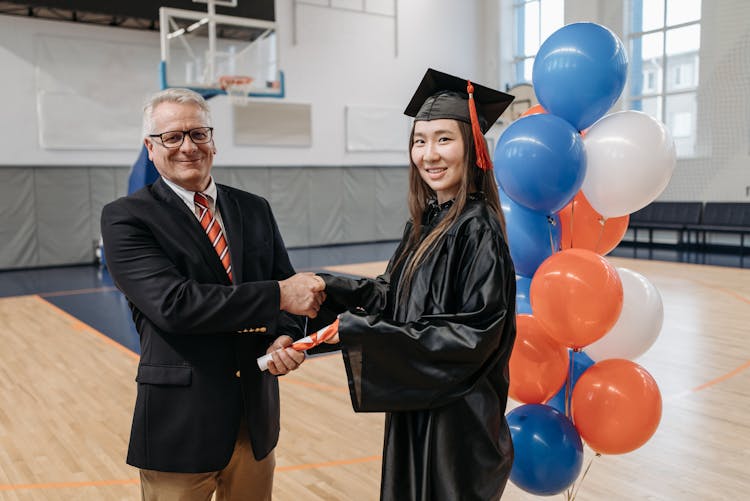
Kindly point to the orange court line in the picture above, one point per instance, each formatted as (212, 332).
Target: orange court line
(713, 382)
(737, 370)
(78, 291)
(725, 291)
(79, 325)
(731, 373)
(722, 378)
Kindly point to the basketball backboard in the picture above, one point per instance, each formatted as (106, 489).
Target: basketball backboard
(219, 3)
(205, 51)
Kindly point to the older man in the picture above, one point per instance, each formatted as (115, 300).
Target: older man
(211, 288)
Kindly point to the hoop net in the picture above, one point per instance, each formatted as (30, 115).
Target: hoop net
(237, 88)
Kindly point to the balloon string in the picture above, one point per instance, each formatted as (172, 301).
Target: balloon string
(602, 222)
(551, 222)
(580, 482)
(569, 385)
(572, 216)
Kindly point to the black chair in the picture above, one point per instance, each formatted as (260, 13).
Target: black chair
(723, 217)
(672, 216)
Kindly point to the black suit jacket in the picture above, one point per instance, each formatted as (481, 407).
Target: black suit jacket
(200, 334)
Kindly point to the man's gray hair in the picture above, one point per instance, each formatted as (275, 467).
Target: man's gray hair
(173, 95)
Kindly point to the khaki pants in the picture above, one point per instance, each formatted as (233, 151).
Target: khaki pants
(243, 479)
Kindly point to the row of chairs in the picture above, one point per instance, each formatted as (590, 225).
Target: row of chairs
(690, 219)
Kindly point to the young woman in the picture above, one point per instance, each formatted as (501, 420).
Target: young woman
(428, 342)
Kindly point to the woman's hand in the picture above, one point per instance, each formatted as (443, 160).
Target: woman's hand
(333, 340)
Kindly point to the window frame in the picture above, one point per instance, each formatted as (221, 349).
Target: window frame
(520, 58)
(662, 91)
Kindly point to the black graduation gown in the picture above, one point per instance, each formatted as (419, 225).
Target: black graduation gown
(438, 367)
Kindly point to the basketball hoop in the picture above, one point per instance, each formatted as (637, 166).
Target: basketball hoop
(237, 88)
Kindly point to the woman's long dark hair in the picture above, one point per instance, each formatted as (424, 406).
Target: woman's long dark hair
(420, 194)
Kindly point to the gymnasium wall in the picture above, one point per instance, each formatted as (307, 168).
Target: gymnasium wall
(73, 106)
(720, 168)
(51, 214)
(71, 117)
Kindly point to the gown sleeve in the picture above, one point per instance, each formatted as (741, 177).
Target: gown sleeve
(347, 294)
(364, 295)
(436, 358)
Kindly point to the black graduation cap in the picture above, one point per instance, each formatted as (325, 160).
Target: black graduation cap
(441, 95)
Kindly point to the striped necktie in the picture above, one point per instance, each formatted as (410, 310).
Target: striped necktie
(213, 230)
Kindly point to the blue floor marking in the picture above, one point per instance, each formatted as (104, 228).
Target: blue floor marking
(88, 293)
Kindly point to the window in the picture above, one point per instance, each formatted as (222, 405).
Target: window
(649, 81)
(534, 21)
(664, 46)
(681, 125)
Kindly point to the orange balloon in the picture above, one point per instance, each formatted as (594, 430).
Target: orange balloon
(577, 295)
(584, 228)
(534, 110)
(616, 406)
(538, 364)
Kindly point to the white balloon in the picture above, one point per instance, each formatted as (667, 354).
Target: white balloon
(630, 158)
(639, 323)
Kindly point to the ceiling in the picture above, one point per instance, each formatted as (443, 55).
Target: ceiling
(137, 14)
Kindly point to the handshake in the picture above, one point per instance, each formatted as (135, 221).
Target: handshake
(302, 294)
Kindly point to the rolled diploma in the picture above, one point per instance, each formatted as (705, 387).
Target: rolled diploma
(305, 343)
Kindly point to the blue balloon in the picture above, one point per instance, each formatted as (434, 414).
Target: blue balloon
(579, 72)
(580, 362)
(540, 162)
(548, 452)
(532, 236)
(523, 304)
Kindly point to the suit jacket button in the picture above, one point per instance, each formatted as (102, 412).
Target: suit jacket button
(262, 329)
(237, 374)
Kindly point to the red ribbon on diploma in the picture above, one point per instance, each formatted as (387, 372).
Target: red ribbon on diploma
(306, 342)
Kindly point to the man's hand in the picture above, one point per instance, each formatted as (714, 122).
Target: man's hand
(302, 294)
(284, 359)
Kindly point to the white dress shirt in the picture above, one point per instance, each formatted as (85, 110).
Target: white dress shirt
(189, 198)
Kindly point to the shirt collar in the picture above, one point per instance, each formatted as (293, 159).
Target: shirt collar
(188, 196)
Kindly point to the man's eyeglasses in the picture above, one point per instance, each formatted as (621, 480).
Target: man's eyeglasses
(175, 138)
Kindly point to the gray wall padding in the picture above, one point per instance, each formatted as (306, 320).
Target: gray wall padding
(18, 227)
(392, 190)
(50, 215)
(63, 215)
(326, 206)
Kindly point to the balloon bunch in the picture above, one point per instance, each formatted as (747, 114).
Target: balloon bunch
(569, 177)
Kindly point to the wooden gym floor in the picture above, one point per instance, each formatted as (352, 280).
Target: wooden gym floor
(67, 392)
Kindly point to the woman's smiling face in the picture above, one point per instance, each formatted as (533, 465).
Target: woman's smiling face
(438, 151)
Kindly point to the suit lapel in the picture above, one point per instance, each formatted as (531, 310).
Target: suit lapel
(231, 216)
(189, 227)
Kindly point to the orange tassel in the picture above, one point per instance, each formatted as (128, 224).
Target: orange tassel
(483, 156)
